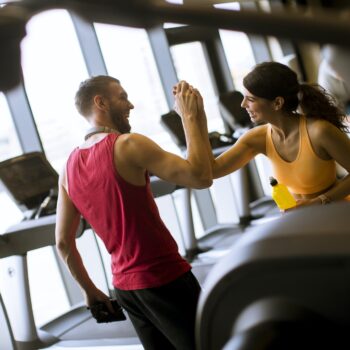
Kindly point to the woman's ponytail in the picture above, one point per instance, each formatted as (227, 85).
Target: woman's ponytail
(315, 102)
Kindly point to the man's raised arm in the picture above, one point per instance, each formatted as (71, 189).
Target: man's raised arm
(194, 171)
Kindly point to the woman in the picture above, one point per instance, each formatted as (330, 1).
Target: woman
(303, 144)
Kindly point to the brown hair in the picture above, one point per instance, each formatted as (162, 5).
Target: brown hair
(272, 79)
(90, 88)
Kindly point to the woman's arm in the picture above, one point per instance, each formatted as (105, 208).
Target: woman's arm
(245, 149)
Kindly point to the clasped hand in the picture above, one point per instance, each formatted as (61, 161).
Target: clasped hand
(188, 100)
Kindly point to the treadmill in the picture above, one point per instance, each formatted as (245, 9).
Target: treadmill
(32, 183)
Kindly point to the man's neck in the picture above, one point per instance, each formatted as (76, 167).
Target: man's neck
(97, 129)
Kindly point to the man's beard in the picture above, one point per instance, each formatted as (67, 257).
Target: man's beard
(121, 123)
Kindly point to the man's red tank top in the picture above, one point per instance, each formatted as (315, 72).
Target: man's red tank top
(125, 217)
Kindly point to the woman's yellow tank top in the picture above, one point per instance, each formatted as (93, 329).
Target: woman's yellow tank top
(308, 173)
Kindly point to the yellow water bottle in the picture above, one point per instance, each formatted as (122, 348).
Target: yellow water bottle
(281, 195)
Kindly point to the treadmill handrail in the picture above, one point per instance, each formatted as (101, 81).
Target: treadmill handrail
(33, 234)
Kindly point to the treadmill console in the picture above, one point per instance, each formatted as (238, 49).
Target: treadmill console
(31, 181)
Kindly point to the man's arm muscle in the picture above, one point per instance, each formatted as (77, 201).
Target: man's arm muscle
(141, 152)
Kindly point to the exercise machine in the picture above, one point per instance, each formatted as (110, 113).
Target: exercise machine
(284, 285)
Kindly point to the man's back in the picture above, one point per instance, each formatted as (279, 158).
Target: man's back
(125, 216)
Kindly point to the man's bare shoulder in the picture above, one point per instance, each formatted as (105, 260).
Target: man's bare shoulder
(134, 148)
(132, 142)
(130, 139)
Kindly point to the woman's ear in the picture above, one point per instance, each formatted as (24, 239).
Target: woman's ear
(278, 103)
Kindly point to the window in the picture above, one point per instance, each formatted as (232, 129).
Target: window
(9, 147)
(178, 2)
(53, 67)
(48, 296)
(238, 50)
(129, 58)
(191, 65)
(239, 55)
(9, 144)
(234, 6)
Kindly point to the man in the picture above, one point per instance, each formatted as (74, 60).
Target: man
(106, 181)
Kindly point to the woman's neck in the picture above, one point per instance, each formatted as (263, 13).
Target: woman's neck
(285, 124)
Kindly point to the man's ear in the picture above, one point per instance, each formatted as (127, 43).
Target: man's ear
(100, 102)
(278, 103)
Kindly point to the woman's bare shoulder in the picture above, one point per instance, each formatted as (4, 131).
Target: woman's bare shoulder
(318, 128)
(259, 130)
(256, 138)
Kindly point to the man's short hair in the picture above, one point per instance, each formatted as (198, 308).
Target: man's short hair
(89, 88)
